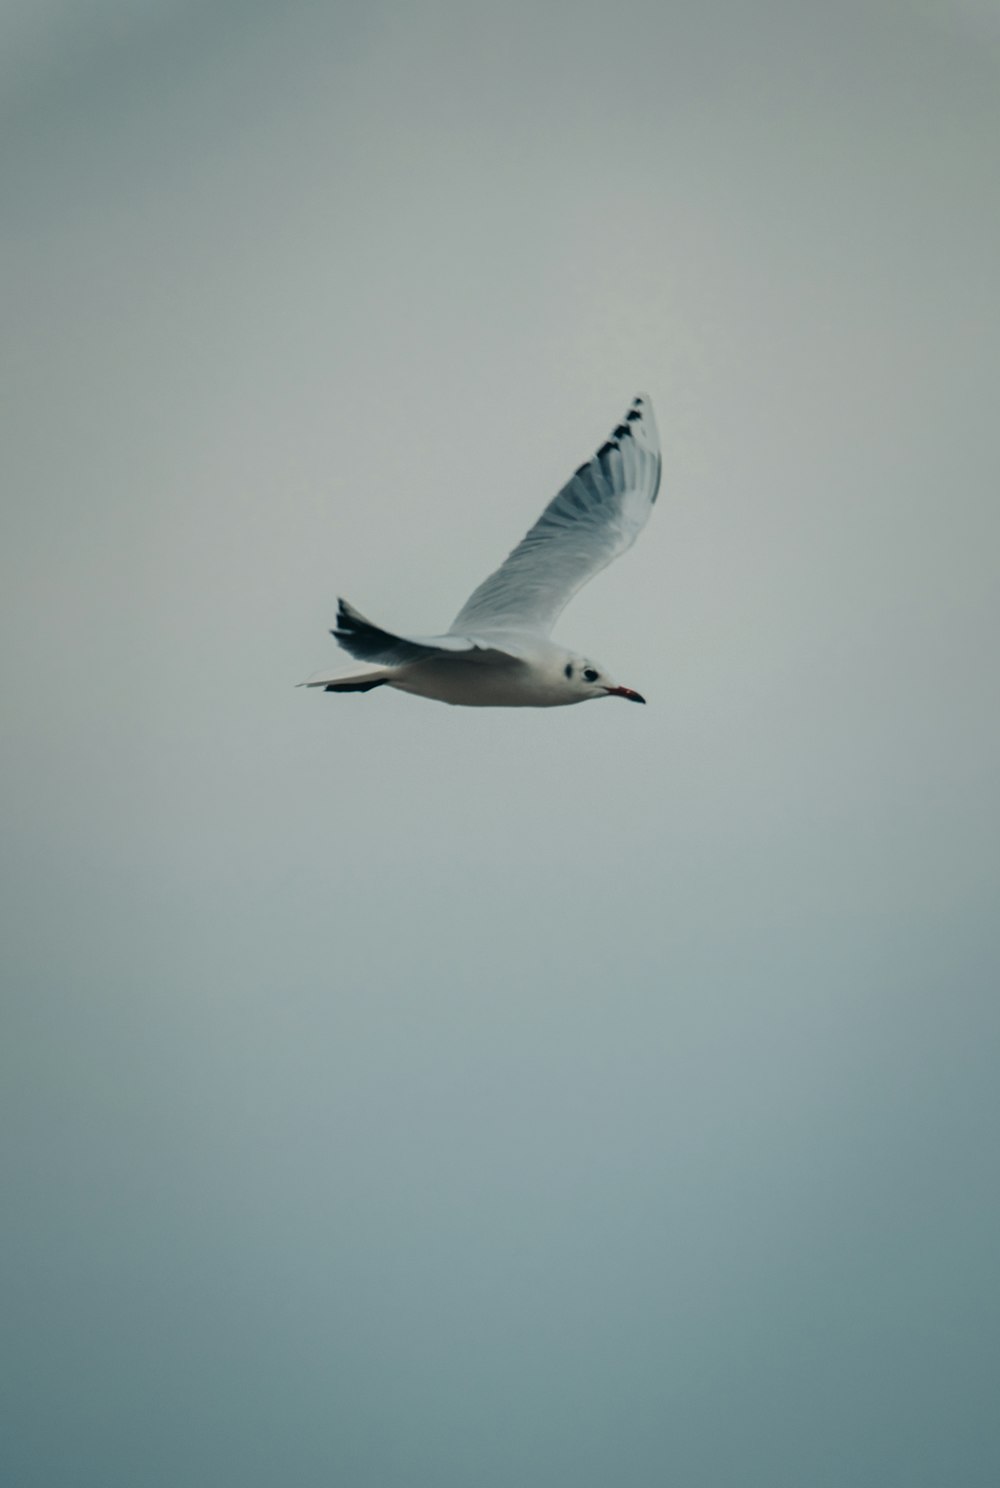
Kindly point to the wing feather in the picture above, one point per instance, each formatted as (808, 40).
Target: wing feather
(596, 516)
(366, 641)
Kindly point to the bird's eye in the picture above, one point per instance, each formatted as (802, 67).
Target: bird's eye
(589, 675)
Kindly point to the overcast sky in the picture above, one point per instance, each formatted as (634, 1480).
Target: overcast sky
(401, 1096)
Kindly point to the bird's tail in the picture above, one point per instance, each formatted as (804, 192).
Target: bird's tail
(360, 682)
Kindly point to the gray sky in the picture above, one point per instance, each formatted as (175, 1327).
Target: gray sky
(403, 1095)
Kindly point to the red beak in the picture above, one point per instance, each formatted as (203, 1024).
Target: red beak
(625, 692)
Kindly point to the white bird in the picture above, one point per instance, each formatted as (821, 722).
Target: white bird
(498, 652)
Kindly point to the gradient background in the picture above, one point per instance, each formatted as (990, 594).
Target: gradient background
(400, 1095)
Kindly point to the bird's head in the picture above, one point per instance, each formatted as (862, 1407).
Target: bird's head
(585, 679)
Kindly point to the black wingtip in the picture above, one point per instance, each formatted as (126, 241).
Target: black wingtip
(349, 686)
(348, 620)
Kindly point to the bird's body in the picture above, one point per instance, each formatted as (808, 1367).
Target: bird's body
(534, 677)
(497, 653)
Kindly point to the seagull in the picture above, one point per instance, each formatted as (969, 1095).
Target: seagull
(498, 652)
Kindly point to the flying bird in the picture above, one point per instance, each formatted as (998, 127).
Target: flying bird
(497, 652)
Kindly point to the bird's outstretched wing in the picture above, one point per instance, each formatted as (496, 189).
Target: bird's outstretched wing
(368, 642)
(597, 515)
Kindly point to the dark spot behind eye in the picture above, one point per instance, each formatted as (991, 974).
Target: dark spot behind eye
(568, 669)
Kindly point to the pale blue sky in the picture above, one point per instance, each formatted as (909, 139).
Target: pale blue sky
(403, 1095)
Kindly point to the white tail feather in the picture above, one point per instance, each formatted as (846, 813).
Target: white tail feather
(352, 682)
